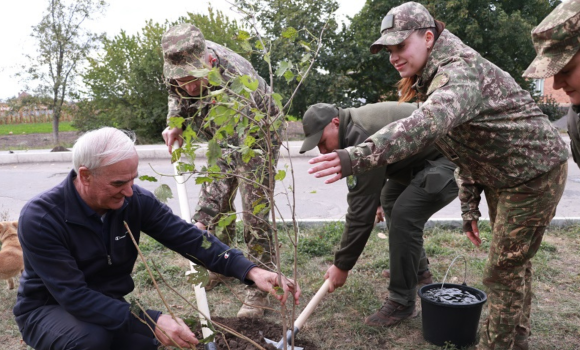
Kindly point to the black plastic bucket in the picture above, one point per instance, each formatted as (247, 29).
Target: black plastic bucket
(453, 323)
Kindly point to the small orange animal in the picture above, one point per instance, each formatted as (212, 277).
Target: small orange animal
(11, 263)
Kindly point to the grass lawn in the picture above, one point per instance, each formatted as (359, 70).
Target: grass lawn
(34, 128)
(337, 322)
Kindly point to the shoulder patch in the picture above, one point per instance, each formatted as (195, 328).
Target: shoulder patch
(438, 82)
(351, 182)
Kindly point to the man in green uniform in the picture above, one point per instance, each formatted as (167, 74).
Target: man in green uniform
(417, 187)
(186, 53)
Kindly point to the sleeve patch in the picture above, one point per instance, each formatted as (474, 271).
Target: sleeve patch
(351, 182)
(438, 82)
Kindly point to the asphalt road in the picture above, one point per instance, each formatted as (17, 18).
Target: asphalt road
(314, 201)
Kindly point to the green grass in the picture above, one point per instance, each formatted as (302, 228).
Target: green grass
(34, 128)
(337, 322)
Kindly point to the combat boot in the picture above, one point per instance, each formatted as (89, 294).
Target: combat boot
(391, 314)
(254, 305)
(215, 279)
(423, 278)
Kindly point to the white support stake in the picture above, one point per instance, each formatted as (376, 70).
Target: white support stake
(200, 295)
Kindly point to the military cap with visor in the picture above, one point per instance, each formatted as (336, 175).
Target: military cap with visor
(315, 119)
(400, 22)
(183, 51)
(556, 40)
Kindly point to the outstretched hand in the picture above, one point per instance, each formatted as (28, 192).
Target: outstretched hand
(267, 281)
(329, 165)
(472, 231)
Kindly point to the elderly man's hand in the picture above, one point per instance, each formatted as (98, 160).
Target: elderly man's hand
(169, 331)
(266, 281)
(329, 165)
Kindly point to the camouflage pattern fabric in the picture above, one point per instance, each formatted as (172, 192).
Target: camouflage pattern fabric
(518, 217)
(400, 22)
(478, 117)
(217, 198)
(556, 40)
(183, 51)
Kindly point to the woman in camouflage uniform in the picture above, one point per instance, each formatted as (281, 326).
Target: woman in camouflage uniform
(504, 146)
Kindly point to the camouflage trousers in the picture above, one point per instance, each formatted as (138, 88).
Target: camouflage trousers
(519, 217)
(216, 201)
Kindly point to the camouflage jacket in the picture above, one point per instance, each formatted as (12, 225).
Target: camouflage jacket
(574, 132)
(231, 65)
(478, 117)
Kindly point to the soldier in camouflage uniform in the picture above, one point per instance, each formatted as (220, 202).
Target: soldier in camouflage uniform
(502, 143)
(557, 43)
(417, 187)
(186, 51)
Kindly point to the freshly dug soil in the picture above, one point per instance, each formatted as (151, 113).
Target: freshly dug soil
(255, 329)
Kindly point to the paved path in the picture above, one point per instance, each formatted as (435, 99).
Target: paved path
(24, 174)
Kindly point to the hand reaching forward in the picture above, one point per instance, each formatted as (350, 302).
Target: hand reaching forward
(329, 165)
(266, 281)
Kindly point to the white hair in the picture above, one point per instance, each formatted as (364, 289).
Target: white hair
(102, 147)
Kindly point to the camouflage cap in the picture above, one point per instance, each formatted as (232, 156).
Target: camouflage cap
(556, 40)
(400, 22)
(315, 119)
(183, 51)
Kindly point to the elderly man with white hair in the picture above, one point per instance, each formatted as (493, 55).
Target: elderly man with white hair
(78, 255)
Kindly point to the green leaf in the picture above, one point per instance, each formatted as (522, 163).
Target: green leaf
(163, 193)
(147, 178)
(176, 122)
(249, 141)
(226, 220)
(290, 33)
(267, 57)
(236, 85)
(250, 83)
(214, 152)
(215, 78)
(258, 208)
(243, 35)
(289, 76)
(199, 73)
(189, 134)
(203, 179)
(280, 175)
(306, 58)
(283, 67)
(206, 244)
(176, 154)
(277, 99)
(259, 45)
(200, 276)
(305, 45)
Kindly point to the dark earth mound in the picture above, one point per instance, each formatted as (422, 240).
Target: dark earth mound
(255, 329)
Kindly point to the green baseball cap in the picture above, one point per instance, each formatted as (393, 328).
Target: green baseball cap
(556, 40)
(183, 51)
(315, 119)
(400, 22)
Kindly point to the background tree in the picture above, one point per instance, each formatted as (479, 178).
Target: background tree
(62, 45)
(498, 29)
(125, 86)
(323, 83)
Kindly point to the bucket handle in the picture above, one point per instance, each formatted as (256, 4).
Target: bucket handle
(464, 273)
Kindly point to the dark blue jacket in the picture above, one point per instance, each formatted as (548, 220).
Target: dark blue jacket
(75, 260)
